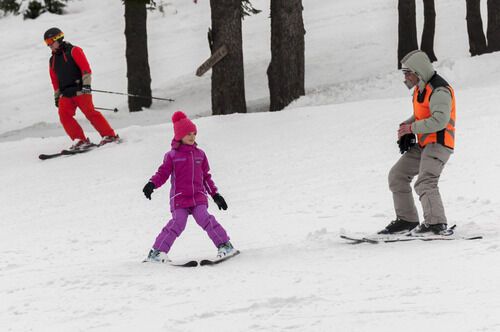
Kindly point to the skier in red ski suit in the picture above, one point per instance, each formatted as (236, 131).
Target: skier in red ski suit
(71, 77)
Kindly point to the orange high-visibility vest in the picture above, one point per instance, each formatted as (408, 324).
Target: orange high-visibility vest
(421, 110)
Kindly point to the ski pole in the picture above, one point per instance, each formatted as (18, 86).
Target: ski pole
(106, 109)
(131, 95)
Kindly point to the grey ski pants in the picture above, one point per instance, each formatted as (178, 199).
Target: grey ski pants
(427, 163)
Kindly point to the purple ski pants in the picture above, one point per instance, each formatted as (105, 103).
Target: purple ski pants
(177, 224)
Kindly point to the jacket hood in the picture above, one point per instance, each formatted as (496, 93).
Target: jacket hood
(418, 62)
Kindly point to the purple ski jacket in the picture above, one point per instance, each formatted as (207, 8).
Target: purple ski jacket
(188, 169)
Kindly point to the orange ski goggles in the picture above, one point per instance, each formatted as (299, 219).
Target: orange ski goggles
(51, 40)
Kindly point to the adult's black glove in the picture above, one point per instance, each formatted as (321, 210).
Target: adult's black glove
(57, 95)
(219, 200)
(406, 142)
(86, 89)
(148, 189)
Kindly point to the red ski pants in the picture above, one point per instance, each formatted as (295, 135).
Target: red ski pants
(67, 109)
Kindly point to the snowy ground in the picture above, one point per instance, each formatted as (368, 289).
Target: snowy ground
(74, 230)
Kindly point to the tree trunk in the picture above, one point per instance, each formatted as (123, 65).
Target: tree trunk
(286, 70)
(493, 31)
(477, 40)
(427, 44)
(228, 84)
(136, 37)
(407, 29)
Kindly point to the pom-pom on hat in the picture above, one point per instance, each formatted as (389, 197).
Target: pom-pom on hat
(182, 125)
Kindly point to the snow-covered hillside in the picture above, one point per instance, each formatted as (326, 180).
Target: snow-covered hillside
(74, 230)
(350, 56)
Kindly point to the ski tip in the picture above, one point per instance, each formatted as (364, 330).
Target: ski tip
(44, 156)
(476, 237)
(190, 264)
(351, 240)
(206, 262)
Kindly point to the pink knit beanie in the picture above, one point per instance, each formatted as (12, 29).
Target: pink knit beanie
(182, 125)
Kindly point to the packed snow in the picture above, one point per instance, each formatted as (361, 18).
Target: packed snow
(75, 230)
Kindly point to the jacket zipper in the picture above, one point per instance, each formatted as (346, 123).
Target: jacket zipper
(192, 178)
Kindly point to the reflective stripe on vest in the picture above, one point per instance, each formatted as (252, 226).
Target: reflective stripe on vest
(421, 110)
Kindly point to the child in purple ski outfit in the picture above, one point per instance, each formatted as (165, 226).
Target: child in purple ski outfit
(188, 169)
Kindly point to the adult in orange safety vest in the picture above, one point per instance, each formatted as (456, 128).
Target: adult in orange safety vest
(433, 123)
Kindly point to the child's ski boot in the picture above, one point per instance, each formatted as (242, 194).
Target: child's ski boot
(156, 256)
(226, 250)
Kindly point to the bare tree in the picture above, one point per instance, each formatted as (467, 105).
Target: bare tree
(427, 44)
(286, 70)
(407, 29)
(493, 31)
(138, 73)
(477, 40)
(228, 84)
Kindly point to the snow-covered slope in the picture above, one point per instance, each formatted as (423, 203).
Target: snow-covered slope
(74, 230)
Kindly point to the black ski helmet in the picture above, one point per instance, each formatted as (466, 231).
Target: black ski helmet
(52, 35)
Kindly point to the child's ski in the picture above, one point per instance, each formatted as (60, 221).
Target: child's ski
(185, 264)
(217, 261)
(191, 263)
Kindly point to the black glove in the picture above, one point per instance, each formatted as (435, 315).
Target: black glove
(406, 142)
(86, 89)
(56, 98)
(148, 189)
(219, 200)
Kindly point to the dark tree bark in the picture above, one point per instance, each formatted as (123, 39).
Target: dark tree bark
(427, 44)
(228, 84)
(493, 31)
(138, 73)
(407, 29)
(477, 40)
(286, 70)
